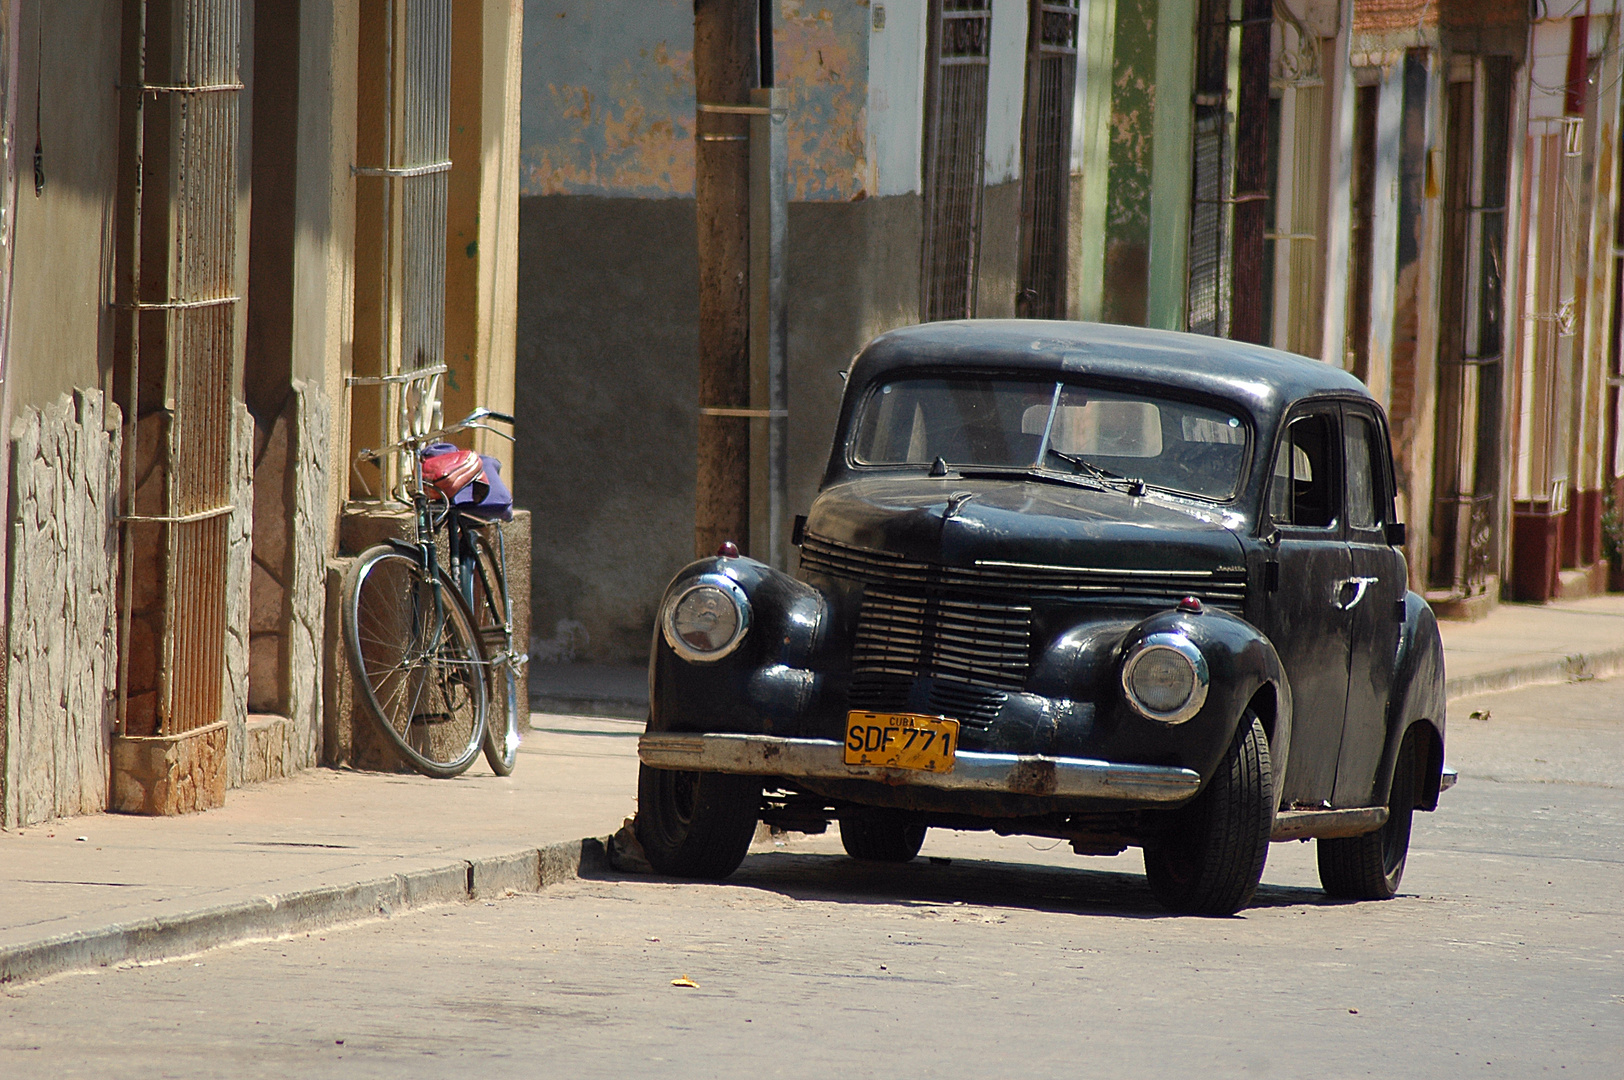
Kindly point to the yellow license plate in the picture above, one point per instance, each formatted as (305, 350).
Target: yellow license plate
(901, 741)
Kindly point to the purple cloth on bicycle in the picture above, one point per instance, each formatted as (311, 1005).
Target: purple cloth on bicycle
(487, 497)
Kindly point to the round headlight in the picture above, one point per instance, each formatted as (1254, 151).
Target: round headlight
(707, 620)
(1165, 678)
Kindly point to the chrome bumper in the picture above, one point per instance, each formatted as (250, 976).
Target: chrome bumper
(1447, 779)
(824, 759)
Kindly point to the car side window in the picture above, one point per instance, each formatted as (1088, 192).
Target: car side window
(1304, 488)
(1365, 501)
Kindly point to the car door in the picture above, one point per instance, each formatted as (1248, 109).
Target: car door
(1303, 577)
(1374, 600)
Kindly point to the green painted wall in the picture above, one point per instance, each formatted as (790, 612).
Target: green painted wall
(1137, 272)
(1096, 70)
(1128, 197)
(1171, 165)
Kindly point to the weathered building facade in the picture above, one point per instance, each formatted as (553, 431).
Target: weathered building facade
(1421, 191)
(218, 213)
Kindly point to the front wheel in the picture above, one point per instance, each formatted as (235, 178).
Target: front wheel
(1369, 867)
(694, 824)
(493, 615)
(420, 666)
(1213, 860)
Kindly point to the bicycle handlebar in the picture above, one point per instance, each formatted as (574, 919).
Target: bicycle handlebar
(472, 420)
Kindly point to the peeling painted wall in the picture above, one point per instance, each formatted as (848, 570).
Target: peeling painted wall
(821, 57)
(608, 103)
(896, 89)
(1006, 92)
(608, 98)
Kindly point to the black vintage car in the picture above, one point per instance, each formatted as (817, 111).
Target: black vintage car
(1118, 586)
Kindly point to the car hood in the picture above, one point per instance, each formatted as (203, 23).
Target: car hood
(958, 521)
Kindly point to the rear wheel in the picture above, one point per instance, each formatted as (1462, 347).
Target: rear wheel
(493, 615)
(420, 667)
(1212, 861)
(1369, 867)
(693, 824)
(881, 835)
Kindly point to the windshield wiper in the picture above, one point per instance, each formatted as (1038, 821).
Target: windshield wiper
(1131, 484)
(1032, 472)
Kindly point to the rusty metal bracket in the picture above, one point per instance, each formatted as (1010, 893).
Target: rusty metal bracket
(403, 377)
(177, 519)
(179, 88)
(753, 414)
(742, 110)
(401, 171)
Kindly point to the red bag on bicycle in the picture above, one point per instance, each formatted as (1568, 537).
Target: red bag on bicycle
(451, 471)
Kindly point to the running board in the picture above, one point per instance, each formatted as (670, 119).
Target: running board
(1327, 824)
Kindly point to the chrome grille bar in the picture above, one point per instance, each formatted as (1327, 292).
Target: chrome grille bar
(1225, 587)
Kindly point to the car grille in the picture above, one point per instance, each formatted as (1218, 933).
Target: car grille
(1224, 588)
(973, 642)
(973, 706)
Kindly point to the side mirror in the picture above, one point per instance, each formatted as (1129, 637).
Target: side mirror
(1393, 532)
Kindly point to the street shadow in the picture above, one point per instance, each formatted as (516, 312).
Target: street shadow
(990, 883)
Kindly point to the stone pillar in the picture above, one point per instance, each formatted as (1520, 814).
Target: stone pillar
(62, 650)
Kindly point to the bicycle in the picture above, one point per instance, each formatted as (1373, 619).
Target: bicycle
(432, 644)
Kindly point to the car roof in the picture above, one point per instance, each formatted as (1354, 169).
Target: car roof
(1267, 380)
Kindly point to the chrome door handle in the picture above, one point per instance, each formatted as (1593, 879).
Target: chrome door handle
(1359, 584)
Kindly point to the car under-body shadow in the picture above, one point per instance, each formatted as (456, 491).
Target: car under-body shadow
(936, 881)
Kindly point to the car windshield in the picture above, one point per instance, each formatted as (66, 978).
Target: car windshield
(1062, 428)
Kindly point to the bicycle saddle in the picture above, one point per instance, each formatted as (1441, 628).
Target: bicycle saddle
(452, 470)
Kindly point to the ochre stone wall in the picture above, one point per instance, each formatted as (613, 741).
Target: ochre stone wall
(62, 640)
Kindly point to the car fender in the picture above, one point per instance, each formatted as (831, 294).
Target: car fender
(1243, 669)
(768, 683)
(1417, 698)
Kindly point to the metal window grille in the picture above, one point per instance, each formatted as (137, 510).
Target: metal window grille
(178, 304)
(955, 155)
(1467, 478)
(412, 263)
(1051, 81)
(1362, 229)
(1210, 250)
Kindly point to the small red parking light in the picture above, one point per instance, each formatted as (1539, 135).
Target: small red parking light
(728, 550)
(1190, 605)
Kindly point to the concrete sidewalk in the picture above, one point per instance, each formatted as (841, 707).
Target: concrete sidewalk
(331, 847)
(1525, 644)
(323, 848)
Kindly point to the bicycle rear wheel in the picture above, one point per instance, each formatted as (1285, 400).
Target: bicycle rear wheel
(492, 617)
(418, 660)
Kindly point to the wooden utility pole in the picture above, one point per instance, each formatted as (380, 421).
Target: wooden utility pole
(726, 68)
(1251, 172)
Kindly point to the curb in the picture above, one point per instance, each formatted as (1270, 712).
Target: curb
(612, 708)
(1576, 668)
(283, 914)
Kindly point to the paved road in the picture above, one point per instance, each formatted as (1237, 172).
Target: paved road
(1504, 956)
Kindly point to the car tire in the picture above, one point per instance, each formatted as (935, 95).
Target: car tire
(1212, 860)
(693, 824)
(1369, 867)
(881, 836)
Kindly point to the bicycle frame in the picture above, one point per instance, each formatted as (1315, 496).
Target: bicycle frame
(459, 546)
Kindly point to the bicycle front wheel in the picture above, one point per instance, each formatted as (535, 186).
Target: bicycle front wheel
(493, 615)
(418, 660)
